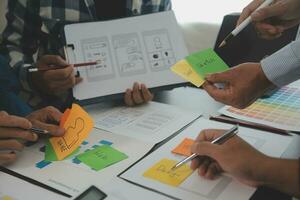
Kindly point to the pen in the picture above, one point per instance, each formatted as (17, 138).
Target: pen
(35, 69)
(223, 138)
(262, 127)
(39, 131)
(245, 23)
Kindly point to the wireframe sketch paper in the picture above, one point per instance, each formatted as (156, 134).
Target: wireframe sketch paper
(133, 49)
(185, 185)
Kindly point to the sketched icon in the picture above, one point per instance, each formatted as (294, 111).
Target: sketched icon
(78, 127)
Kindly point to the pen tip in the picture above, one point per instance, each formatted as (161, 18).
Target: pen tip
(223, 43)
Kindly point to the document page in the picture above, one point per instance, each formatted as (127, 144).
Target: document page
(141, 49)
(153, 171)
(152, 122)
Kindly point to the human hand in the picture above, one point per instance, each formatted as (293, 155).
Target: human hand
(139, 94)
(235, 157)
(272, 20)
(243, 85)
(47, 119)
(13, 132)
(53, 82)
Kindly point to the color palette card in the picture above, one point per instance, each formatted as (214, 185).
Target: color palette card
(184, 148)
(163, 172)
(101, 157)
(78, 124)
(197, 66)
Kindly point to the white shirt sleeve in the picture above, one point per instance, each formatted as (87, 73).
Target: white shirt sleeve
(283, 67)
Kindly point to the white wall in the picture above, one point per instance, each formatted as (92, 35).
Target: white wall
(3, 5)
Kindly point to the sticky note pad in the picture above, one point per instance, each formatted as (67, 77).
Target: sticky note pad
(78, 126)
(162, 172)
(184, 69)
(101, 157)
(206, 62)
(184, 148)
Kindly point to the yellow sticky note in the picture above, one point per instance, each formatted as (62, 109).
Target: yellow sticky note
(78, 126)
(162, 172)
(184, 69)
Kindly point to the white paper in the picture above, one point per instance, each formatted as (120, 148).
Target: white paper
(195, 187)
(16, 189)
(72, 178)
(152, 122)
(141, 48)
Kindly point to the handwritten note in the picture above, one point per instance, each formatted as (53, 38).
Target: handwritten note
(184, 69)
(184, 148)
(78, 126)
(101, 157)
(162, 172)
(206, 62)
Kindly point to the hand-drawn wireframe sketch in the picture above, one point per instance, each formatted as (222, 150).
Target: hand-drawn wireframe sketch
(98, 49)
(78, 127)
(159, 49)
(129, 54)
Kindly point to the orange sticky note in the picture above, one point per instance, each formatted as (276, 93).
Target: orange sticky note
(184, 148)
(78, 126)
(64, 117)
(162, 172)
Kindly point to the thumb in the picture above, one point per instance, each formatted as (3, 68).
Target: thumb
(276, 10)
(205, 149)
(218, 77)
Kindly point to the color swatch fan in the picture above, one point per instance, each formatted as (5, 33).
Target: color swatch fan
(281, 110)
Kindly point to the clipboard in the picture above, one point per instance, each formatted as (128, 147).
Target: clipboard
(135, 49)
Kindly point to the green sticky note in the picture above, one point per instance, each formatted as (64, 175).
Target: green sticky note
(101, 157)
(50, 153)
(206, 62)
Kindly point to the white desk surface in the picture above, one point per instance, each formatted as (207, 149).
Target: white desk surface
(190, 98)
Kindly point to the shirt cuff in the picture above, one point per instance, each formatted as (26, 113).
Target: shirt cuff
(283, 67)
(24, 78)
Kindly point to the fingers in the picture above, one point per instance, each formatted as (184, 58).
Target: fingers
(17, 133)
(248, 10)
(220, 95)
(54, 130)
(7, 158)
(14, 121)
(273, 10)
(51, 60)
(60, 74)
(205, 149)
(42, 119)
(138, 95)
(146, 93)
(12, 145)
(128, 98)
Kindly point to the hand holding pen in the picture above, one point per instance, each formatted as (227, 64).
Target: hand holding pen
(235, 156)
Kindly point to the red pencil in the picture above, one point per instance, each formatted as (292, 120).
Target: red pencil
(53, 68)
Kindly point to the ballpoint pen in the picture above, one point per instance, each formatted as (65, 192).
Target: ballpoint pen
(243, 25)
(223, 138)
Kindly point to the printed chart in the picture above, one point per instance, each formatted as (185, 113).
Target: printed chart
(281, 110)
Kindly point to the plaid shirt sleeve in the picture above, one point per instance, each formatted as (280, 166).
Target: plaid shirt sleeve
(20, 37)
(24, 35)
